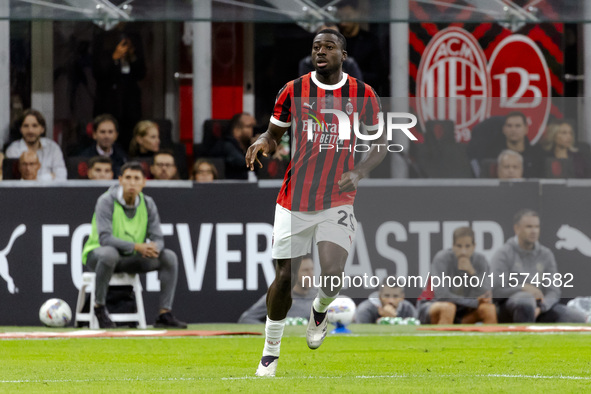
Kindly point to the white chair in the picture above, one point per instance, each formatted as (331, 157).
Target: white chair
(118, 279)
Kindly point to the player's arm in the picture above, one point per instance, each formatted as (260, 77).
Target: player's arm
(266, 143)
(376, 154)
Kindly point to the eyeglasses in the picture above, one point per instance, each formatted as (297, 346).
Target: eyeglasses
(204, 172)
(164, 165)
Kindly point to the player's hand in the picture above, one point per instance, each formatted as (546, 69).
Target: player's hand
(486, 298)
(464, 264)
(349, 181)
(537, 312)
(121, 49)
(260, 145)
(534, 291)
(147, 249)
(387, 310)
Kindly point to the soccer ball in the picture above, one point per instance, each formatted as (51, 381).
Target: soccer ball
(341, 311)
(55, 313)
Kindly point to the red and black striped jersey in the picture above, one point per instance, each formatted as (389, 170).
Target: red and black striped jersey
(317, 164)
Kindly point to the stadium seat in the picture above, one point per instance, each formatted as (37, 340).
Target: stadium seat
(488, 168)
(559, 168)
(77, 167)
(118, 279)
(10, 169)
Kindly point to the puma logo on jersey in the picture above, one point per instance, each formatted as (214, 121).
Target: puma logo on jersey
(311, 106)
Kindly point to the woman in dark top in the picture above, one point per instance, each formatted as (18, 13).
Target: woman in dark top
(559, 142)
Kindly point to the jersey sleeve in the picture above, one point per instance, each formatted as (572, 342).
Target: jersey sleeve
(282, 111)
(372, 106)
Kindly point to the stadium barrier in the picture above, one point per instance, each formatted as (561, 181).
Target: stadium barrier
(222, 234)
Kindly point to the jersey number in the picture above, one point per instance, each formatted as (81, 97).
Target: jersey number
(344, 217)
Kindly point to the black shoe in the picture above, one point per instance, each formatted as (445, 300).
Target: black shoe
(103, 317)
(167, 320)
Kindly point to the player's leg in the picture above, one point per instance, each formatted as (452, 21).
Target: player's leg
(334, 236)
(102, 261)
(442, 312)
(332, 265)
(560, 313)
(521, 306)
(487, 313)
(167, 266)
(291, 237)
(278, 303)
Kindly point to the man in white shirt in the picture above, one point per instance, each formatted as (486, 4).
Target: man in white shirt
(49, 153)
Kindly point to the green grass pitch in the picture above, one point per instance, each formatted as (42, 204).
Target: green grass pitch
(373, 359)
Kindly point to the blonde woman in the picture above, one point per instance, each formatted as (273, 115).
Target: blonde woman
(145, 141)
(559, 143)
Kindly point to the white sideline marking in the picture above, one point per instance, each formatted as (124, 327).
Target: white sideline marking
(395, 376)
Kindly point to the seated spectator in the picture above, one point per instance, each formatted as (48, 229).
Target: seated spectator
(100, 168)
(489, 143)
(302, 296)
(350, 66)
(559, 143)
(204, 171)
(387, 302)
(32, 127)
(105, 133)
(29, 165)
(234, 145)
(145, 141)
(466, 304)
(126, 236)
(509, 165)
(523, 255)
(163, 166)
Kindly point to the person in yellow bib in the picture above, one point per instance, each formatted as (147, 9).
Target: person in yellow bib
(126, 237)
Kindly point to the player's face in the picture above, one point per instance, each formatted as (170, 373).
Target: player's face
(132, 182)
(510, 168)
(105, 135)
(515, 129)
(31, 130)
(391, 295)
(327, 54)
(100, 171)
(463, 247)
(528, 230)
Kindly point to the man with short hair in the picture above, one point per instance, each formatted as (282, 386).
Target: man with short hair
(302, 294)
(533, 299)
(467, 303)
(100, 168)
(234, 145)
(105, 133)
(163, 166)
(515, 130)
(387, 302)
(510, 165)
(126, 237)
(315, 203)
(29, 165)
(32, 127)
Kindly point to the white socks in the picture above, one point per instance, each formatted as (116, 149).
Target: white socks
(322, 301)
(273, 334)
